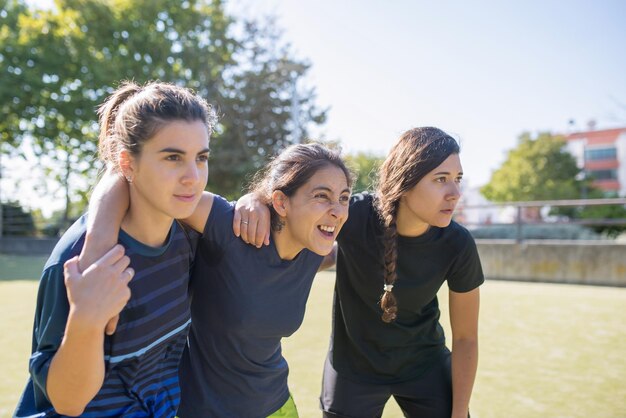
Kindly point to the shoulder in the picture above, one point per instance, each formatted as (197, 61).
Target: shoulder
(70, 244)
(458, 235)
(362, 207)
(362, 219)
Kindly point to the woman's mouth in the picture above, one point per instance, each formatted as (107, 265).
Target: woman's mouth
(185, 197)
(327, 231)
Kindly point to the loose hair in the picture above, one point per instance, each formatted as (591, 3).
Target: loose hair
(290, 170)
(134, 113)
(417, 152)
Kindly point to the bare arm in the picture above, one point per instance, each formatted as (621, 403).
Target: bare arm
(107, 207)
(77, 369)
(464, 309)
(252, 220)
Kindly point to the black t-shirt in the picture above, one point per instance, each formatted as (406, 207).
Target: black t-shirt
(365, 348)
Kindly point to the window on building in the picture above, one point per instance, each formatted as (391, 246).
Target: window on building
(600, 154)
(602, 174)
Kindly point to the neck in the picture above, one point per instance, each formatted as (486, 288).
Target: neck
(146, 225)
(285, 246)
(408, 225)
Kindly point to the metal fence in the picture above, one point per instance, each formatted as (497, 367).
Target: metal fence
(547, 213)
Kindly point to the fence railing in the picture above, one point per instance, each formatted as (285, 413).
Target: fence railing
(514, 214)
(533, 213)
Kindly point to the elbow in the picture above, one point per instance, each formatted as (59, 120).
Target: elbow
(466, 343)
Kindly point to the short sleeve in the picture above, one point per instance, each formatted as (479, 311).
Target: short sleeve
(466, 272)
(50, 319)
(219, 224)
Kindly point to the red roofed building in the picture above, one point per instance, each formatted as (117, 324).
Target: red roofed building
(602, 155)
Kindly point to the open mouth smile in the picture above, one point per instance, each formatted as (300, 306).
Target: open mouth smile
(327, 231)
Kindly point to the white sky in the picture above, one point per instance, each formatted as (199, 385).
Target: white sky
(483, 71)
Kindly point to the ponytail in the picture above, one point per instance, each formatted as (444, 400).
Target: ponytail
(108, 143)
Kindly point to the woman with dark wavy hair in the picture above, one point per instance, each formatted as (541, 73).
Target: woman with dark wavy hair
(402, 242)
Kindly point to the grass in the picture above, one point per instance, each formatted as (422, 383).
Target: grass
(546, 350)
(21, 267)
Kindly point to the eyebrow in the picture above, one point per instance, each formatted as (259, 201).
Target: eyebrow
(446, 173)
(180, 151)
(328, 189)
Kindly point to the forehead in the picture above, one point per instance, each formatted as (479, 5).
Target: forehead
(181, 134)
(451, 165)
(330, 177)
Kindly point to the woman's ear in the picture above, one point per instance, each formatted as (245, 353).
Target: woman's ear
(126, 162)
(279, 202)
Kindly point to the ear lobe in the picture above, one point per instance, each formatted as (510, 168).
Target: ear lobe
(126, 160)
(279, 202)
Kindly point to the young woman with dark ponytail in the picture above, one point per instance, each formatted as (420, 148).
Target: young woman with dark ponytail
(395, 251)
(246, 299)
(156, 138)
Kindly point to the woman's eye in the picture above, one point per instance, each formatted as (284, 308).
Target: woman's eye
(321, 196)
(440, 179)
(344, 199)
(458, 179)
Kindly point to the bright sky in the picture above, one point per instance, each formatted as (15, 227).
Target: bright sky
(483, 71)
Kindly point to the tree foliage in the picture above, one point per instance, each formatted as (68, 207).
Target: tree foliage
(58, 65)
(539, 168)
(365, 166)
(263, 108)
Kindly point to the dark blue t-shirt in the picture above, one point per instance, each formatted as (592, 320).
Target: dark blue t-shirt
(245, 300)
(141, 358)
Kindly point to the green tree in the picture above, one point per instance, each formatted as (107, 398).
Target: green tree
(365, 166)
(539, 168)
(58, 65)
(264, 107)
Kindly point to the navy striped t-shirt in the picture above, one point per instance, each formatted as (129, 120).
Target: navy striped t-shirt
(142, 357)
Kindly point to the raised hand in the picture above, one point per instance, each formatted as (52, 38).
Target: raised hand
(97, 296)
(252, 221)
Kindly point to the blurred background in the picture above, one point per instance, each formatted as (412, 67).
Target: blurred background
(534, 92)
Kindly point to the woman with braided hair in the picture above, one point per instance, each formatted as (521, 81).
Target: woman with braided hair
(402, 240)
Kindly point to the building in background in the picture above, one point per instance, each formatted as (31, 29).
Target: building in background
(602, 156)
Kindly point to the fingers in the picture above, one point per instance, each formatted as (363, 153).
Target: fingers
(237, 221)
(127, 275)
(244, 228)
(70, 268)
(121, 264)
(111, 325)
(112, 256)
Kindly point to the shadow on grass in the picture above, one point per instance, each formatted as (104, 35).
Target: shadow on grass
(21, 267)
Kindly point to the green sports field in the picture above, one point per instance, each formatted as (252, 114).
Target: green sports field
(546, 350)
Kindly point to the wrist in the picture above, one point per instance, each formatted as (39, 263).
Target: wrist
(82, 322)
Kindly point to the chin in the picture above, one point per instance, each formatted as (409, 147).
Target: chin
(321, 250)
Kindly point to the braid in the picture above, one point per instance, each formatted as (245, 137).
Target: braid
(417, 152)
(388, 301)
